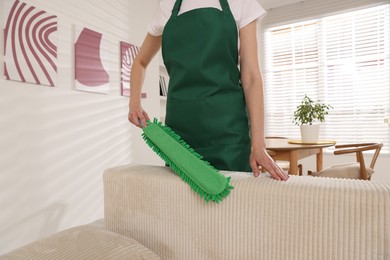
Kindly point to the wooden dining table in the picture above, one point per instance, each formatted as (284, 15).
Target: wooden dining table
(295, 150)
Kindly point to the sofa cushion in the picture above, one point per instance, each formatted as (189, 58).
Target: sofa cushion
(346, 171)
(83, 243)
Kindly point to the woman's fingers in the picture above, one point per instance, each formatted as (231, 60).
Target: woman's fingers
(145, 118)
(276, 172)
(146, 115)
(138, 118)
(134, 120)
(142, 120)
(255, 168)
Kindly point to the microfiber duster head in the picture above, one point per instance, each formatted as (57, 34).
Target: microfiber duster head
(185, 162)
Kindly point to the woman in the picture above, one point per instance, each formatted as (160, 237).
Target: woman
(210, 97)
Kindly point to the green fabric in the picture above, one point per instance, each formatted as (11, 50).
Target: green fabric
(205, 103)
(184, 161)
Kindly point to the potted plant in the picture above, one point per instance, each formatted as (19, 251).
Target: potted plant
(307, 114)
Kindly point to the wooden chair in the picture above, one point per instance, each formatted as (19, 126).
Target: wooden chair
(356, 170)
(285, 165)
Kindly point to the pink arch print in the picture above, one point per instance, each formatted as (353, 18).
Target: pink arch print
(90, 73)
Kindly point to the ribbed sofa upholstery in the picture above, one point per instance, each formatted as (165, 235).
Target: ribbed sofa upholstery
(304, 218)
(86, 242)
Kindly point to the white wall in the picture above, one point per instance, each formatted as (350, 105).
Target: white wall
(56, 142)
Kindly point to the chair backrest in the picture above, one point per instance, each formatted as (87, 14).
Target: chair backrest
(359, 149)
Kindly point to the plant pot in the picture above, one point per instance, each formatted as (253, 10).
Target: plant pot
(310, 133)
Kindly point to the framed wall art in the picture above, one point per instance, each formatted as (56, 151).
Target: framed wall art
(91, 61)
(30, 44)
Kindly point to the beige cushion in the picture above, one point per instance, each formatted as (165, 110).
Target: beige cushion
(83, 243)
(345, 171)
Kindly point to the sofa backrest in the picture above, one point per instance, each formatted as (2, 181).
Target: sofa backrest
(303, 218)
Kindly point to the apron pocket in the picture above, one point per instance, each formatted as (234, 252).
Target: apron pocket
(227, 119)
(221, 119)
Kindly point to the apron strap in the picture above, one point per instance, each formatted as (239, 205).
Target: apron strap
(176, 8)
(224, 4)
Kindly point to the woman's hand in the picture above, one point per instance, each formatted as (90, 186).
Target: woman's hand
(260, 157)
(137, 115)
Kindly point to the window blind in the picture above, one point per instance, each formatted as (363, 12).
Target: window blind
(342, 60)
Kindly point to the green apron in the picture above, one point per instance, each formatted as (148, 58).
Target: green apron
(205, 103)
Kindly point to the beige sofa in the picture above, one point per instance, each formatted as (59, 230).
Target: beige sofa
(303, 218)
(149, 211)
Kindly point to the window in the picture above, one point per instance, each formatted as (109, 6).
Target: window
(343, 60)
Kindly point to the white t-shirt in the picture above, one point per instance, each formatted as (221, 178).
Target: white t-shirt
(244, 12)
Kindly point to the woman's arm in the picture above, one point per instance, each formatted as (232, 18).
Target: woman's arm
(252, 83)
(148, 50)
